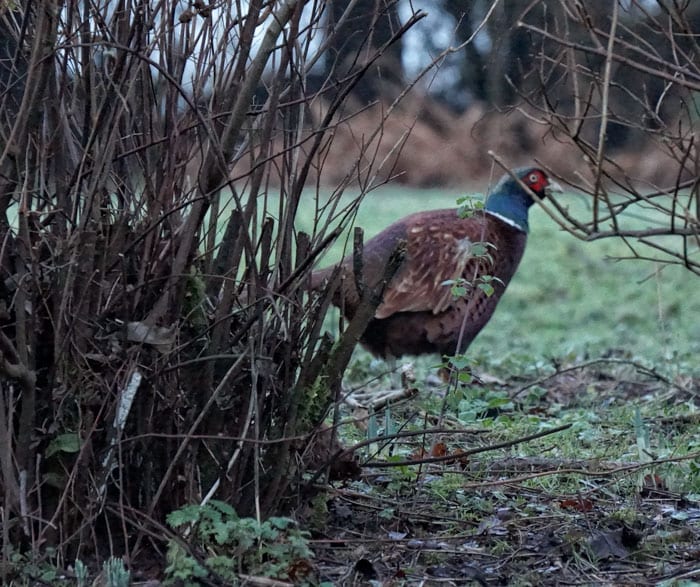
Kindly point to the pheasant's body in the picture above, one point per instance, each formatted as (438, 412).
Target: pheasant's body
(419, 313)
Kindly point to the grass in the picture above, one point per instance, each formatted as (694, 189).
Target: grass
(594, 503)
(569, 299)
(573, 506)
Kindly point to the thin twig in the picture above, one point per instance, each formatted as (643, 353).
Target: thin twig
(650, 372)
(631, 468)
(472, 451)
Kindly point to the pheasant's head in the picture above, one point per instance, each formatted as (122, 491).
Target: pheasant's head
(511, 199)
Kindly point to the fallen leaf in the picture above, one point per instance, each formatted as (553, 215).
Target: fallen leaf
(439, 449)
(159, 337)
(579, 504)
(607, 545)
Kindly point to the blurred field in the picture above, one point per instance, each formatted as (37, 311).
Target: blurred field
(569, 299)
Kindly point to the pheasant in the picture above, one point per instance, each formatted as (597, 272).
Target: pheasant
(419, 313)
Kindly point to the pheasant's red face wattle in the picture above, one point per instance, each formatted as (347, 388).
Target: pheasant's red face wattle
(537, 181)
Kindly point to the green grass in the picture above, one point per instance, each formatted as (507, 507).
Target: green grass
(569, 302)
(569, 298)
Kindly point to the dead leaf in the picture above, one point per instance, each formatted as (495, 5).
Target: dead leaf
(299, 570)
(607, 545)
(462, 459)
(439, 449)
(160, 337)
(579, 504)
(418, 454)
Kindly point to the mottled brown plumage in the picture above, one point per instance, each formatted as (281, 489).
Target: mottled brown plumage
(418, 314)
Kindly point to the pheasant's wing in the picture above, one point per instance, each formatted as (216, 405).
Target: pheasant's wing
(437, 252)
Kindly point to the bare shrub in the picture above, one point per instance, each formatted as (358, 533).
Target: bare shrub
(158, 346)
(624, 73)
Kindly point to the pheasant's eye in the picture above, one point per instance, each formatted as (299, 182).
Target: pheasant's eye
(534, 178)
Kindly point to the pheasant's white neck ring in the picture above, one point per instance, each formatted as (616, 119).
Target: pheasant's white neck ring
(507, 220)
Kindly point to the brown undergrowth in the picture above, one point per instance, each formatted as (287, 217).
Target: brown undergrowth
(440, 148)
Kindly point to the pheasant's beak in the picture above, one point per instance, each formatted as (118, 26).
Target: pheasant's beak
(553, 187)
